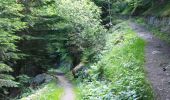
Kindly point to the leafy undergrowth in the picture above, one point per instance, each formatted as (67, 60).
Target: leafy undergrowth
(162, 10)
(119, 74)
(50, 91)
(140, 21)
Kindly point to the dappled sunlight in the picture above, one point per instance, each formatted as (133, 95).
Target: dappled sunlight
(84, 49)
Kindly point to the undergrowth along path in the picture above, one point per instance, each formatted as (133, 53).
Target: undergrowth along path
(67, 86)
(157, 55)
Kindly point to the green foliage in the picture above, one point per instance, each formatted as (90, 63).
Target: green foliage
(141, 21)
(59, 31)
(50, 32)
(159, 9)
(86, 33)
(10, 22)
(50, 91)
(24, 80)
(133, 7)
(141, 7)
(10, 9)
(119, 74)
(5, 79)
(42, 41)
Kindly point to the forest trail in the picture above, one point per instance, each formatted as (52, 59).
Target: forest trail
(157, 55)
(68, 88)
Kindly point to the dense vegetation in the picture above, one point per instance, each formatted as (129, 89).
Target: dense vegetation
(10, 22)
(119, 74)
(41, 35)
(49, 91)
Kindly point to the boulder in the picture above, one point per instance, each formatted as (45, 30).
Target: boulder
(41, 78)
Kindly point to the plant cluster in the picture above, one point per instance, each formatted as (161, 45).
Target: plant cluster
(119, 74)
(10, 23)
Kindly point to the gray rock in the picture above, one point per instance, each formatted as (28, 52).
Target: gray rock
(41, 78)
(48, 78)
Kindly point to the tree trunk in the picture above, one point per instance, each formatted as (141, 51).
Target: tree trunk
(77, 68)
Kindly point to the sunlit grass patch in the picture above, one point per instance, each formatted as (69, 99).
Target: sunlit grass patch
(51, 91)
(77, 92)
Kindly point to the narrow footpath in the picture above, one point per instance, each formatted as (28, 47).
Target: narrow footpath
(68, 88)
(157, 62)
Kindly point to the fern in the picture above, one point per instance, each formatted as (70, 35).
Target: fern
(10, 22)
(5, 68)
(8, 83)
(5, 79)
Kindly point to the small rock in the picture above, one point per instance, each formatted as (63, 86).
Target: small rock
(167, 74)
(169, 81)
(164, 69)
(156, 52)
(48, 78)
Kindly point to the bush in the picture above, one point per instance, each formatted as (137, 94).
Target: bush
(87, 35)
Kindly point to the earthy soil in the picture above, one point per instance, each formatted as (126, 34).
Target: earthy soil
(157, 55)
(68, 88)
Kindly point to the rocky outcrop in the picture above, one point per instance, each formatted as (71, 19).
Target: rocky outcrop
(41, 78)
(162, 23)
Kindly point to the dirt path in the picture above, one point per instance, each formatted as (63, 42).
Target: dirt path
(68, 89)
(157, 62)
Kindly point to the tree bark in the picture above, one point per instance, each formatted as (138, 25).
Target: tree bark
(77, 68)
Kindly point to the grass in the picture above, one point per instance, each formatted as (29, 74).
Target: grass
(140, 21)
(119, 74)
(51, 91)
(163, 36)
(77, 93)
(124, 65)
